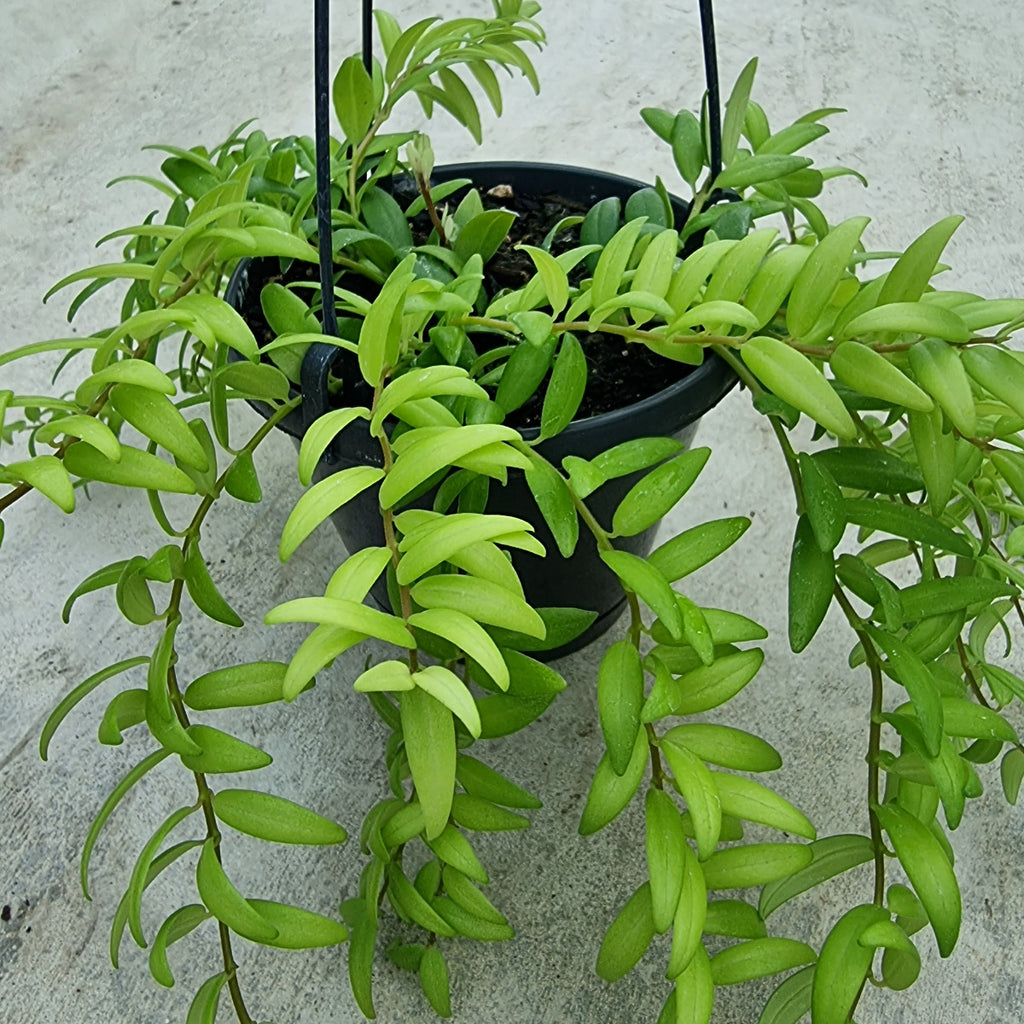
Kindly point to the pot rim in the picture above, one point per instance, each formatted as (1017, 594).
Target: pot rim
(704, 386)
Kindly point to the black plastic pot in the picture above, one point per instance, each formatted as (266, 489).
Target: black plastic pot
(581, 581)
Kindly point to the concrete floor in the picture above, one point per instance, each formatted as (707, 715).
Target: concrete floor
(934, 96)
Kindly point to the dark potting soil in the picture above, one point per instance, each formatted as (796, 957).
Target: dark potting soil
(619, 374)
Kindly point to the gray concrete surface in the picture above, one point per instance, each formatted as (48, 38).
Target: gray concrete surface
(934, 95)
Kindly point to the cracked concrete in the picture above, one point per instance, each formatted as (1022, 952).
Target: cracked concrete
(933, 92)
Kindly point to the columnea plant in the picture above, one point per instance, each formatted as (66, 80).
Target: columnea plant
(908, 502)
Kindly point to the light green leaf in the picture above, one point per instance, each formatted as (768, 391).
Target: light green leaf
(134, 468)
(429, 733)
(466, 634)
(653, 497)
(481, 600)
(274, 819)
(697, 785)
(820, 275)
(759, 958)
(610, 793)
(628, 937)
(322, 500)
(620, 693)
(795, 379)
(448, 689)
(225, 902)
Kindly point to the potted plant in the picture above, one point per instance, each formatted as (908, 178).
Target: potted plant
(915, 401)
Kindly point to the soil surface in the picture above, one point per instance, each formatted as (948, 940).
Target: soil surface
(618, 373)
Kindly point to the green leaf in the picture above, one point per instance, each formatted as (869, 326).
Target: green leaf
(434, 980)
(323, 500)
(109, 805)
(903, 521)
(939, 371)
(862, 368)
(203, 591)
(225, 902)
(88, 428)
(843, 965)
(134, 468)
(478, 779)
(687, 144)
(380, 334)
(437, 540)
(143, 865)
(691, 549)
(484, 234)
(176, 926)
(688, 924)
(735, 919)
(736, 111)
(649, 585)
(1011, 773)
(362, 941)
(555, 503)
(998, 372)
(666, 856)
(348, 615)
(48, 475)
(796, 380)
(695, 990)
(274, 819)
(936, 323)
(612, 262)
(527, 366)
(429, 453)
(950, 594)
(446, 687)
(913, 673)
(155, 415)
(824, 269)
(726, 746)
(241, 481)
(429, 733)
(79, 693)
(709, 686)
(650, 499)
(352, 94)
(755, 170)
(222, 753)
(868, 469)
(552, 275)
(128, 708)
(831, 856)
(759, 958)
(697, 785)
(479, 599)
(203, 1009)
(620, 693)
(565, 388)
(469, 897)
(479, 815)
(749, 800)
(924, 860)
(610, 793)
(740, 867)
(791, 1001)
(469, 925)
(824, 503)
(628, 937)
(936, 456)
(298, 928)
(909, 277)
(239, 686)
(127, 371)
